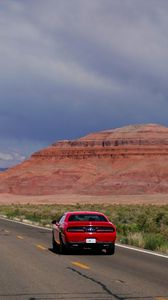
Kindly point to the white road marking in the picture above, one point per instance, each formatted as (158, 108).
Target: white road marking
(30, 225)
(142, 250)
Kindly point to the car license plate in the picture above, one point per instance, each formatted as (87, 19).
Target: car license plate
(90, 241)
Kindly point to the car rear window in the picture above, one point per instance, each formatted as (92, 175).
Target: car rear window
(87, 217)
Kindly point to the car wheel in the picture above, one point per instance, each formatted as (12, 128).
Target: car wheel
(110, 250)
(54, 244)
(62, 248)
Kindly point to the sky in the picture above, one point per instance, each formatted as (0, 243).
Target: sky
(72, 67)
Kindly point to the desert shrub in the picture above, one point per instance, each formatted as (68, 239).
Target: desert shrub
(153, 241)
(136, 239)
(163, 248)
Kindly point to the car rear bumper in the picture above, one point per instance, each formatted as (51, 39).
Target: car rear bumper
(94, 246)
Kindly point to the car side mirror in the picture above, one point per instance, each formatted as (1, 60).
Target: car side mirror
(54, 222)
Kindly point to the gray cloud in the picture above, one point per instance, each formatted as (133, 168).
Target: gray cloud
(73, 67)
(9, 159)
(5, 156)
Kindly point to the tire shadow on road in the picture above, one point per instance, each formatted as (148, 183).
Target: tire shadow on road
(79, 252)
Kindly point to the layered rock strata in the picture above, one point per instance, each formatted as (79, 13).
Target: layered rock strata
(131, 140)
(128, 160)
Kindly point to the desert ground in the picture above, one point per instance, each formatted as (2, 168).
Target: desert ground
(155, 199)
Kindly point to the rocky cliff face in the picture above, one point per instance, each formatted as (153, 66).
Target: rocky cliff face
(128, 160)
(130, 140)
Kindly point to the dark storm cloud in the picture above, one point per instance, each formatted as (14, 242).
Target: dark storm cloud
(73, 67)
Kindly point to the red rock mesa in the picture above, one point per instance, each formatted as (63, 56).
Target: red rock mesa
(128, 160)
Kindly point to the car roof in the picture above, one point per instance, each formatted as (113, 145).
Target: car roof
(69, 213)
(83, 212)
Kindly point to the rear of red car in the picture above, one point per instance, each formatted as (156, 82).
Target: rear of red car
(88, 230)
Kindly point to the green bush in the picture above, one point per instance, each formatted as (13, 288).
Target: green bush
(153, 241)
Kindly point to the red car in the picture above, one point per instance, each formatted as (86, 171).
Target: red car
(83, 230)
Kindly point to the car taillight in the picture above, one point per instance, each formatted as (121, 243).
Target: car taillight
(91, 229)
(105, 229)
(75, 229)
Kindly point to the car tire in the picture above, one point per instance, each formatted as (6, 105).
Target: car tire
(54, 244)
(110, 250)
(62, 248)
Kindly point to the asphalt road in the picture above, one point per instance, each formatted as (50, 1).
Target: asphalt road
(30, 270)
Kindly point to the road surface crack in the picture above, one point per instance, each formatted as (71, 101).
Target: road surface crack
(103, 286)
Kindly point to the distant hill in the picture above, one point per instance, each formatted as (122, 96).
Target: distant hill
(129, 160)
